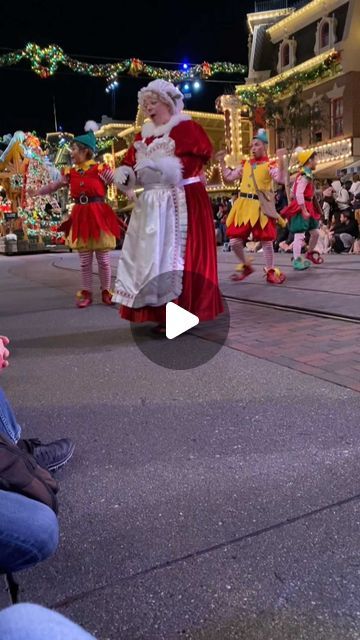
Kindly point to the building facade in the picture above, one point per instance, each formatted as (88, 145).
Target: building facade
(316, 43)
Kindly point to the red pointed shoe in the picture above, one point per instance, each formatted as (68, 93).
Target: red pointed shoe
(83, 299)
(107, 298)
(274, 276)
(243, 271)
(314, 256)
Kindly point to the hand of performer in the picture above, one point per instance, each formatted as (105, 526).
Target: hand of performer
(121, 175)
(4, 352)
(281, 153)
(32, 193)
(131, 195)
(146, 163)
(304, 212)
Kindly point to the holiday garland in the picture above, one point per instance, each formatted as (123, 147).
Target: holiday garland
(46, 61)
(284, 86)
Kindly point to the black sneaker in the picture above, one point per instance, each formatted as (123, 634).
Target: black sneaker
(50, 456)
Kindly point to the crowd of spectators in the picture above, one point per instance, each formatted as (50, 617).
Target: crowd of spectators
(339, 201)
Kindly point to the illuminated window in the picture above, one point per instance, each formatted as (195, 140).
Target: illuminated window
(337, 117)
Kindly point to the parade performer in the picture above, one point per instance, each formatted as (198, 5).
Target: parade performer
(92, 225)
(246, 216)
(171, 228)
(304, 212)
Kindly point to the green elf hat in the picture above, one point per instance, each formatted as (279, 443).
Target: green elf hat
(88, 139)
(262, 136)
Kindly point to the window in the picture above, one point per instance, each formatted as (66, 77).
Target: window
(337, 118)
(287, 55)
(317, 122)
(325, 35)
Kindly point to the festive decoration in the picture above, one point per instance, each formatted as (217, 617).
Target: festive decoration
(41, 214)
(136, 67)
(205, 70)
(45, 62)
(255, 95)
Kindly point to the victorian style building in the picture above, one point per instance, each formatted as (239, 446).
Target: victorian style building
(318, 43)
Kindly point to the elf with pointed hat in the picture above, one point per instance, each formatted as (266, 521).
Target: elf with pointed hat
(93, 226)
(247, 216)
(304, 212)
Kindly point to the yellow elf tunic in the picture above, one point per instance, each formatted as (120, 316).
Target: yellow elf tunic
(246, 210)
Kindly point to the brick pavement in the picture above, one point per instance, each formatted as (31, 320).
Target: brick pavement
(320, 346)
(325, 348)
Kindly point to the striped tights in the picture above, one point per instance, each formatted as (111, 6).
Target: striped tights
(237, 246)
(103, 260)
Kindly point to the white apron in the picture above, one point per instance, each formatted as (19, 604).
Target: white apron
(156, 237)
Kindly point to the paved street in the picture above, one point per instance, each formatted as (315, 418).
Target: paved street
(217, 503)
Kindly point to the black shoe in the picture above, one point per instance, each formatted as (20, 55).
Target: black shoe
(50, 456)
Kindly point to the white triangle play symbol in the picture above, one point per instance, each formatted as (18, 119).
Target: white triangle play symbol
(178, 320)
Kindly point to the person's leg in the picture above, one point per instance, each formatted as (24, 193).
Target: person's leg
(314, 233)
(314, 237)
(268, 250)
(347, 240)
(297, 245)
(243, 269)
(103, 260)
(32, 622)
(298, 263)
(85, 296)
(86, 259)
(237, 246)
(50, 456)
(273, 275)
(29, 532)
(8, 424)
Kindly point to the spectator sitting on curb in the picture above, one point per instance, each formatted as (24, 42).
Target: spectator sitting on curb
(344, 232)
(29, 530)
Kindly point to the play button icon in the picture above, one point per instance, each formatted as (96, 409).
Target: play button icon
(178, 320)
(189, 340)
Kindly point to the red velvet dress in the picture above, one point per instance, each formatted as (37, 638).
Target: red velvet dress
(200, 295)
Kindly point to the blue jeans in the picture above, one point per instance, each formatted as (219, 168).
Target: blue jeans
(8, 425)
(31, 622)
(29, 530)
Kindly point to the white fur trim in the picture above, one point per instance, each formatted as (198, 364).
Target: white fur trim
(91, 125)
(149, 129)
(123, 174)
(171, 170)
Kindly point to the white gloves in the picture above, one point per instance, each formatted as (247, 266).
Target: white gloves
(122, 175)
(146, 163)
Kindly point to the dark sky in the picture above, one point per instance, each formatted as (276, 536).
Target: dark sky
(195, 30)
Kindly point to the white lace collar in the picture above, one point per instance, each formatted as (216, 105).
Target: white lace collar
(149, 129)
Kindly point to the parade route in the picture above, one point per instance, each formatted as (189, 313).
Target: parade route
(217, 503)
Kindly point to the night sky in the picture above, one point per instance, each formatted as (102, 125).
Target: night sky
(193, 31)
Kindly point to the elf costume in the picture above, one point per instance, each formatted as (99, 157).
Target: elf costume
(303, 193)
(246, 216)
(92, 226)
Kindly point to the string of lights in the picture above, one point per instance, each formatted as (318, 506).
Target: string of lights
(46, 61)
